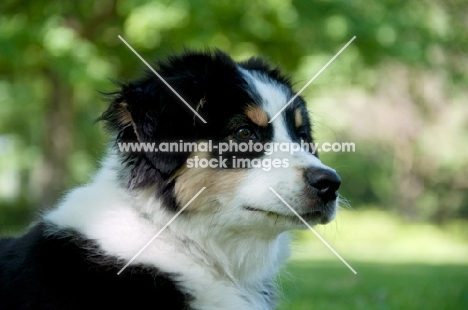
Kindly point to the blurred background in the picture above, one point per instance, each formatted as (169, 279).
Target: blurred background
(399, 92)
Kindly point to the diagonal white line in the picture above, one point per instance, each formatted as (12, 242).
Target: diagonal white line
(311, 80)
(313, 230)
(162, 80)
(160, 231)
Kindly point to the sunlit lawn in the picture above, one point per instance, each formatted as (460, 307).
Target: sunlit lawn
(326, 285)
(400, 266)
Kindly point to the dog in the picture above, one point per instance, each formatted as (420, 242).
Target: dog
(230, 235)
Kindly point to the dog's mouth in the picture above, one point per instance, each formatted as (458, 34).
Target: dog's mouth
(312, 216)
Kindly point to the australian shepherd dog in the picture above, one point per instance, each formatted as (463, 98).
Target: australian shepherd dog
(197, 227)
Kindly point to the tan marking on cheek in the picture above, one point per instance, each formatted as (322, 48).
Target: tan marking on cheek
(218, 183)
(298, 118)
(257, 115)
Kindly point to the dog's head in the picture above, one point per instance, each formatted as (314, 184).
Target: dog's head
(237, 101)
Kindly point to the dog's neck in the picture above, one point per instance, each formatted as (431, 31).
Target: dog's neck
(121, 223)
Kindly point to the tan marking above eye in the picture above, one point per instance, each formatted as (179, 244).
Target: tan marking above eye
(257, 115)
(298, 117)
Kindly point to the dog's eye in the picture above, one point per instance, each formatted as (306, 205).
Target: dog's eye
(245, 133)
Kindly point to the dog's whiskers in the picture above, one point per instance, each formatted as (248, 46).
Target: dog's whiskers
(344, 203)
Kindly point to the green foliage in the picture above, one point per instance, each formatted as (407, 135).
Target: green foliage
(55, 55)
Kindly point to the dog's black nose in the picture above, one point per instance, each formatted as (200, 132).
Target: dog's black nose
(325, 181)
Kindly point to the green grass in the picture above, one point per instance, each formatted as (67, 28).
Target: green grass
(330, 285)
(399, 265)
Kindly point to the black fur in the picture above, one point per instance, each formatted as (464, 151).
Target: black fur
(64, 271)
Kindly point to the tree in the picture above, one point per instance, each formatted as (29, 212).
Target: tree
(54, 56)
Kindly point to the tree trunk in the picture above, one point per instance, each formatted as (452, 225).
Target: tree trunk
(57, 140)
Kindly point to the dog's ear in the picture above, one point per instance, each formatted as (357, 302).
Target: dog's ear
(128, 111)
(147, 111)
(144, 112)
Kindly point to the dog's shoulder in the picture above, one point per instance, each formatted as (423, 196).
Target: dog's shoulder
(50, 269)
